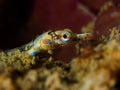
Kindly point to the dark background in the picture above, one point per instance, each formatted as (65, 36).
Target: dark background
(13, 16)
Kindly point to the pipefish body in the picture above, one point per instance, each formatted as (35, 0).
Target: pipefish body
(51, 40)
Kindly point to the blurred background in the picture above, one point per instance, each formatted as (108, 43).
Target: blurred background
(22, 20)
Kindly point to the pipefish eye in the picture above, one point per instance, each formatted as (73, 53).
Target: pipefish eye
(66, 36)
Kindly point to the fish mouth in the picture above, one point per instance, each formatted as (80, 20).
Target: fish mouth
(85, 36)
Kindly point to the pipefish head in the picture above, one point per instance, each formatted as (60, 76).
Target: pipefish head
(53, 39)
(63, 37)
(66, 36)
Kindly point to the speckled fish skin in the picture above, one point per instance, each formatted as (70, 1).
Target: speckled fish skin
(51, 40)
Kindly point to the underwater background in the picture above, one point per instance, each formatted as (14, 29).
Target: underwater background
(91, 65)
